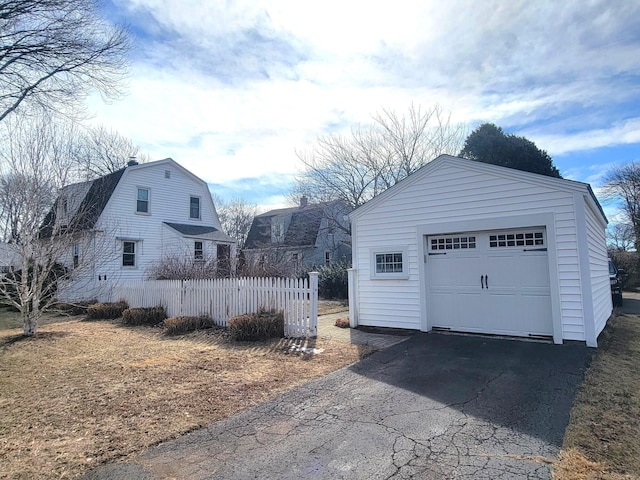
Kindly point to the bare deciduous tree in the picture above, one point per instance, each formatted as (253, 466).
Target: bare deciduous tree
(102, 151)
(622, 184)
(620, 237)
(34, 163)
(52, 52)
(356, 168)
(236, 217)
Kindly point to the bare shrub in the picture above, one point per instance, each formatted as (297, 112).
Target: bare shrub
(79, 308)
(257, 326)
(342, 323)
(180, 325)
(183, 267)
(106, 311)
(143, 316)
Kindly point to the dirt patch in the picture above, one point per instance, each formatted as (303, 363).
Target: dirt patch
(603, 436)
(83, 393)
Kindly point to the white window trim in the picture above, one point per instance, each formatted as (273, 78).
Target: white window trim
(136, 252)
(148, 212)
(195, 250)
(199, 217)
(404, 250)
(75, 255)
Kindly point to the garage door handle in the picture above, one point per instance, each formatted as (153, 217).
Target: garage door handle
(482, 281)
(486, 281)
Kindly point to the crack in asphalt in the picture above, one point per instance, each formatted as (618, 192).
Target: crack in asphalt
(363, 422)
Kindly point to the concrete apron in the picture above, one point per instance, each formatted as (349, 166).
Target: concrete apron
(327, 329)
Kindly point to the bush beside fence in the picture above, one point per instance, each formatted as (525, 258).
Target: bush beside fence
(221, 299)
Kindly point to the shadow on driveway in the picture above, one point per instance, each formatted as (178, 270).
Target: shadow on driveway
(435, 406)
(524, 386)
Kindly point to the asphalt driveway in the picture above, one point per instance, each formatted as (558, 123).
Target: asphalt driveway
(435, 406)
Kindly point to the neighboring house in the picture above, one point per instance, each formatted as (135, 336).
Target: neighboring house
(9, 258)
(127, 222)
(304, 236)
(465, 246)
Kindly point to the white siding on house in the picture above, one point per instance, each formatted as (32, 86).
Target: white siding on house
(463, 192)
(168, 202)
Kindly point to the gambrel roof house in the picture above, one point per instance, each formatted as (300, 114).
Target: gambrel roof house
(309, 234)
(469, 247)
(9, 258)
(126, 222)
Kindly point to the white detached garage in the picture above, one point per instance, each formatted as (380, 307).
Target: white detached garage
(470, 247)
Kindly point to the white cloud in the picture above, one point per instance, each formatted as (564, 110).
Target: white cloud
(620, 133)
(232, 89)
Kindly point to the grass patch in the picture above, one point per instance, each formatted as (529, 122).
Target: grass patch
(83, 393)
(9, 318)
(326, 307)
(603, 437)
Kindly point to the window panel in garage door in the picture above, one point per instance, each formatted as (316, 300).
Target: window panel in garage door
(499, 286)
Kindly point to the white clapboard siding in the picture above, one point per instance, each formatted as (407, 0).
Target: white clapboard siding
(221, 299)
(452, 190)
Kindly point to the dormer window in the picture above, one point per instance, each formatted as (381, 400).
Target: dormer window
(142, 204)
(277, 230)
(63, 206)
(194, 207)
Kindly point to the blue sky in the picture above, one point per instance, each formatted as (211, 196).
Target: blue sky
(232, 89)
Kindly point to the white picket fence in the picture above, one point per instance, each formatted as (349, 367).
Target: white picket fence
(221, 299)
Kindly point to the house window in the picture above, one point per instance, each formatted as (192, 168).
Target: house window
(142, 204)
(198, 251)
(167, 174)
(277, 230)
(194, 207)
(388, 263)
(76, 255)
(128, 254)
(327, 257)
(63, 206)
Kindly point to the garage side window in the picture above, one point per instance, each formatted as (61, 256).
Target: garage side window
(390, 263)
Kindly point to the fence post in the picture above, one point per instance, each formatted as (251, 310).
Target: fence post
(353, 307)
(313, 310)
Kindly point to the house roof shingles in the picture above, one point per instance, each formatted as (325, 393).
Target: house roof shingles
(302, 230)
(91, 207)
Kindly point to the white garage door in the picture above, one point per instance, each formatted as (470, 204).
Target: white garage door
(490, 282)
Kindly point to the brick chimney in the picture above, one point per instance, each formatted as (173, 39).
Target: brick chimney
(304, 201)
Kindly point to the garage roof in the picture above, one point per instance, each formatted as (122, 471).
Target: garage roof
(519, 175)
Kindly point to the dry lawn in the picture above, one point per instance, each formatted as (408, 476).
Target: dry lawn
(603, 437)
(82, 393)
(325, 307)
